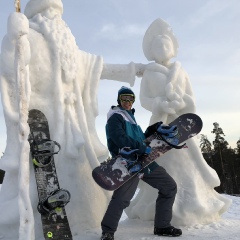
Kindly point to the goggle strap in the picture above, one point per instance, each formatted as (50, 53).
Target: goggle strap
(127, 94)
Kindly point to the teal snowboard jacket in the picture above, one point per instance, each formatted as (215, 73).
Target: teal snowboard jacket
(123, 131)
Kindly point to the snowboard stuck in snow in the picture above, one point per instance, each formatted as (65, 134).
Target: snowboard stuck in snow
(114, 172)
(52, 199)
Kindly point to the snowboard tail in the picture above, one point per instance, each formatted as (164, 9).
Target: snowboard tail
(113, 173)
(55, 223)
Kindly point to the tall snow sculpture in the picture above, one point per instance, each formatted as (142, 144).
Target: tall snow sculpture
(64, 84)
(167, 93)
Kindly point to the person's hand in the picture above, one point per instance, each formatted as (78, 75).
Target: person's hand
(139, 69)
(177, 104)
(160, 106)
(148, 150)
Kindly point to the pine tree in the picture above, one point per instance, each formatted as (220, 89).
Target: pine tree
(206, 148)
(220, 146)
(205, 144)
(238, 148)
(219, 143)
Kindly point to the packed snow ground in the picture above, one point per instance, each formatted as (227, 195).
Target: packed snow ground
(228, 228)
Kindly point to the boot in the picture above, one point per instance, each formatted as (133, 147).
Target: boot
(169, 231)
(107, 236)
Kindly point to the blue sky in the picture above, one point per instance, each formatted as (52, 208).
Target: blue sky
(208, 32)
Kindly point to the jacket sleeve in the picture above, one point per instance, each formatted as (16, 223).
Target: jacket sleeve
(117, 133)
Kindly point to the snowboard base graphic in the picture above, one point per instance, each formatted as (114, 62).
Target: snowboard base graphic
(113, 173)
(54, 223)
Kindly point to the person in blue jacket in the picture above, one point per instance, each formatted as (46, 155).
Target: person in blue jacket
(123, 131)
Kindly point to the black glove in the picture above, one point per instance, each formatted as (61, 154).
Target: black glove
(152, 129)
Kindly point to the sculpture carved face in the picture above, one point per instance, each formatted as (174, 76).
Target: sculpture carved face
(162, 49)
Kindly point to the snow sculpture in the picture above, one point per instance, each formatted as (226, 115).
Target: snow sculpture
(64, 83)
(166, 92)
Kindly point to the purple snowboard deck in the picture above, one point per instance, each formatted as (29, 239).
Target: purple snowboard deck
(112, 173)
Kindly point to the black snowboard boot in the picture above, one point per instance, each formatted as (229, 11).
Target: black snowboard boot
(107, 236)
(169, 231)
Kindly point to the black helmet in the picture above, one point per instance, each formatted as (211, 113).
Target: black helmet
(124, 90)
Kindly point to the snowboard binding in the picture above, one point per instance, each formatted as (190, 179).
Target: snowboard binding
(130, 156)
(57, 199)
(169, 134)
(43, 151)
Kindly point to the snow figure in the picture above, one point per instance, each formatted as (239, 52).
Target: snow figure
(64, 83)
(166, 92)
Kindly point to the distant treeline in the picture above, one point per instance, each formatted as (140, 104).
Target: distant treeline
(224, 159)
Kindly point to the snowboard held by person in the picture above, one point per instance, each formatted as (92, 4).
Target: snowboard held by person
(122, 131)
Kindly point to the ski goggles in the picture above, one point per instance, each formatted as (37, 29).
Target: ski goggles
(127, 98)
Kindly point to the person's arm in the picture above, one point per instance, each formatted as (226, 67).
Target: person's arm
(117, 133)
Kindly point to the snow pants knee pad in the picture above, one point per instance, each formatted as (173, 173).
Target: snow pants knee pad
(169, 190)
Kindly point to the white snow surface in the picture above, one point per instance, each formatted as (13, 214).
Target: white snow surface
(227, 228)
(62, 81)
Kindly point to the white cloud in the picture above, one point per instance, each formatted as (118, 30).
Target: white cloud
(119, 32)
